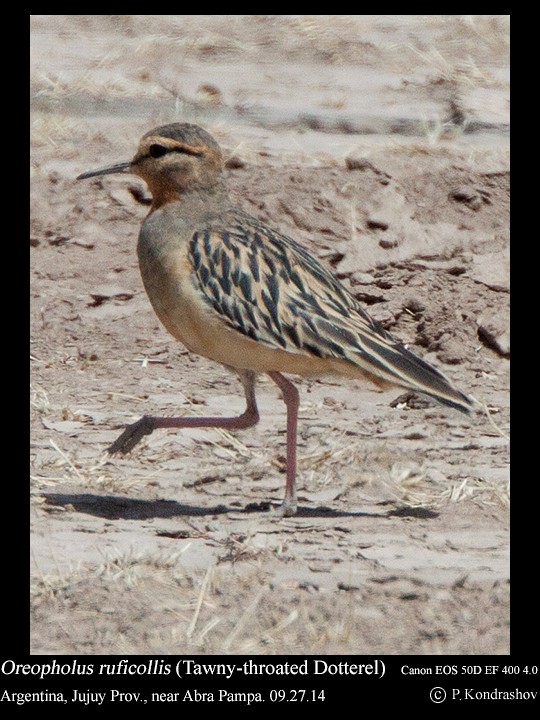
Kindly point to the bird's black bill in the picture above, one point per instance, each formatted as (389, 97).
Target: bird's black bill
(120, 168)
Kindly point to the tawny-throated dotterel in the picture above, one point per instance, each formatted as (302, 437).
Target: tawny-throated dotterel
(237, 291)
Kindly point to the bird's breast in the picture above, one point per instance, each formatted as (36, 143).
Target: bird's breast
(167, 277)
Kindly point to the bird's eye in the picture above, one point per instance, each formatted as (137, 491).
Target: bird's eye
(157, 151)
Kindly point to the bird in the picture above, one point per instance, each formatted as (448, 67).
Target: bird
(239, 292)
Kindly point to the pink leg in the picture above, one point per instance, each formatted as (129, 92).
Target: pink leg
(133, 434)
(292, 401)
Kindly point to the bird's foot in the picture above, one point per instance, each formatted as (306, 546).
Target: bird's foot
(131, 436)
(287, 509)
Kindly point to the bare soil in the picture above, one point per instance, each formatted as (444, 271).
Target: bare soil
(381, 144)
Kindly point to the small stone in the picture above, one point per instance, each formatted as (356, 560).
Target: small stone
(496, 337)
(209, 94)
(452, 352)
(414, 305)
(388, 244)
(354, 162)
(465, 195)
(360, 278)
(104, 293)
(462, 194)
(85, 243)
(235, 162)
(375, 223)
(57, 240)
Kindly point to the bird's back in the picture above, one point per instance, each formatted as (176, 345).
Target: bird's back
(267, 287)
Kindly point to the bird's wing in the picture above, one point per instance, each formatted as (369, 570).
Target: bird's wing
(268, 287)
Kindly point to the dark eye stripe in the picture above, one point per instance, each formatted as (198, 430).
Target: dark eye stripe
(156, 150)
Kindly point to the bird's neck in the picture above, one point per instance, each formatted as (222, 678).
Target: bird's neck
(196, 201)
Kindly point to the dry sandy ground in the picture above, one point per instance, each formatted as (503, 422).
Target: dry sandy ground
(381, 143)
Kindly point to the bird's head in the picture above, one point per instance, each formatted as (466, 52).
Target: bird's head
(172, 159)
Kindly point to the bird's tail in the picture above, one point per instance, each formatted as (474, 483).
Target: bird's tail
(402, 367)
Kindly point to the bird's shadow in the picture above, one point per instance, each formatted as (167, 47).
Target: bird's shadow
(116, 507)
